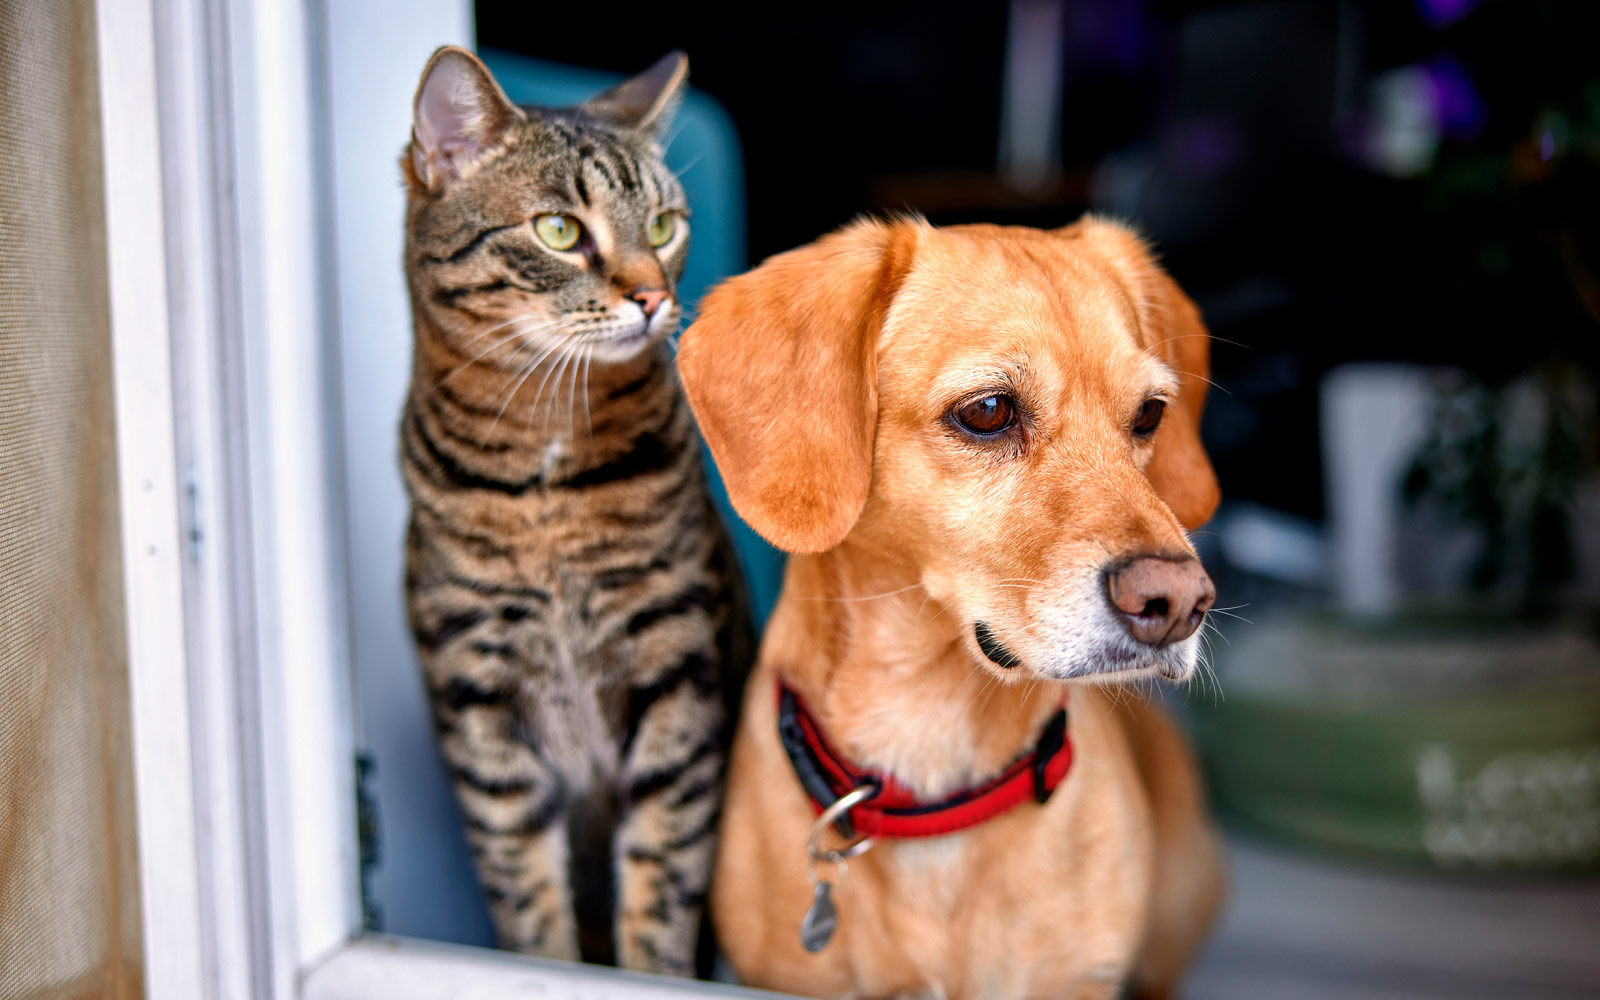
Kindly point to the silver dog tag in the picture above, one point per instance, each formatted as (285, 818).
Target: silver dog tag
(822, 919)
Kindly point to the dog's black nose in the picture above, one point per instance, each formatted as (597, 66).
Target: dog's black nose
(991, 646)
(1161, 600)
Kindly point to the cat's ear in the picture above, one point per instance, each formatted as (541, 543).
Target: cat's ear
(460, 116)
(781, 370)
(645, 102)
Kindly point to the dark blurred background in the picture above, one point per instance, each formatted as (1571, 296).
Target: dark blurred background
(1331, 181)
(1388, 212)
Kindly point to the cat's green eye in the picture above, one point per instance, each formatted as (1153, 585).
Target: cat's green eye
(662, 228)
(558, 232)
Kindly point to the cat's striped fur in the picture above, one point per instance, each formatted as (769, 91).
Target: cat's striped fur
(573, 597)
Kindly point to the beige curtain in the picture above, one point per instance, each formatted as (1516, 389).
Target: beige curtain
(69, 914)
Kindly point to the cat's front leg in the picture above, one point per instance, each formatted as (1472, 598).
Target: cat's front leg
(667, 836)
(524, 876)
(515, 809)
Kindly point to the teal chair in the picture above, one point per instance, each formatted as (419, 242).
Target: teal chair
(703, 150)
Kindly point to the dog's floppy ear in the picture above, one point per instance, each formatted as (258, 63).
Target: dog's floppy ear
(1179, 468)
(781, 370)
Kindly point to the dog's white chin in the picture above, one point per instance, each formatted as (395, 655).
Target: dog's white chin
(1081, 640)
(1118, 662)
(1130, 661)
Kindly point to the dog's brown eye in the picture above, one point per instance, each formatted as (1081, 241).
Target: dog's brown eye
(987, 416)
(1148, 418)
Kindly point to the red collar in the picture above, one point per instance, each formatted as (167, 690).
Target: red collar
(896, 811)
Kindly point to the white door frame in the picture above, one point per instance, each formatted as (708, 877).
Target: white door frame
(224, 334)
(238, 651)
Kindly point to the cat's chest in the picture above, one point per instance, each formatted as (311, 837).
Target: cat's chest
(537, 517)
(556, 454)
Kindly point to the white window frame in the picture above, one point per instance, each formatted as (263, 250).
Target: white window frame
(224, 304)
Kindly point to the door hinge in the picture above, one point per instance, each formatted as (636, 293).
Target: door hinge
(191, 498)
(367, 839)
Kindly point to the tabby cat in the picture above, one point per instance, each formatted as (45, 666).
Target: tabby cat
(573, 597)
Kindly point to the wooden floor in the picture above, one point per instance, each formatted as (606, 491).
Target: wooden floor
(1300, 927)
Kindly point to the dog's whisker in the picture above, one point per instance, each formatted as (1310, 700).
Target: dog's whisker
(1207, 336)
(1207, 662)
(867, 597)
(1212, 628)
(1203, 379)
(995, 684)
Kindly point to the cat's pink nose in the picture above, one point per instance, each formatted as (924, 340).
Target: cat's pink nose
(649, 299)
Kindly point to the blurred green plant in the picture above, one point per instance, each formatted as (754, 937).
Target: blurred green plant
(1511, 218)
(1507, 460)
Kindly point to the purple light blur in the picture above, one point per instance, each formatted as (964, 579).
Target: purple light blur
(1439, 13)
(1205, 145)
(1110, 32)
(1456, 104)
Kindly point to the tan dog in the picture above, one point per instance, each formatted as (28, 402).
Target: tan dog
(960, 432)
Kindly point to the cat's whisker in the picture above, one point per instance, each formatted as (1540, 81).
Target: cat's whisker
(692, 164)
(667, 146)
(555, 366)
(553, 380)
(458, 369)
(521, 322)
(572, 385)
(573, 371)
(561, 351)
(526, 371)
(524, 374)
(588, 357)
(508, 339)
